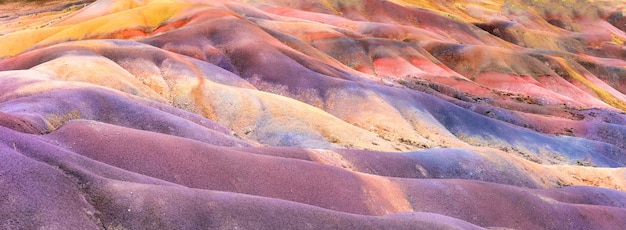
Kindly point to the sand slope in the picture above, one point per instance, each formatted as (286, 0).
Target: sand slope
(365, 114)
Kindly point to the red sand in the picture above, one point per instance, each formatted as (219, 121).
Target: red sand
(275, 114)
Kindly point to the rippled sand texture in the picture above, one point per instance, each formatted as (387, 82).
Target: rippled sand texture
(277, 114)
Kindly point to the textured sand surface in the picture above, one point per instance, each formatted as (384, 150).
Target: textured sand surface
(276, 114)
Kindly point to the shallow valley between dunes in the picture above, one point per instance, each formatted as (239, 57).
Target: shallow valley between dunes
(311, 114)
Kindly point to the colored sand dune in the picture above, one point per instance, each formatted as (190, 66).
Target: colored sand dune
(275, 114)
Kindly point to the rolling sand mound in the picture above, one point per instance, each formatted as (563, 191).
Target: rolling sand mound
(274, 114)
